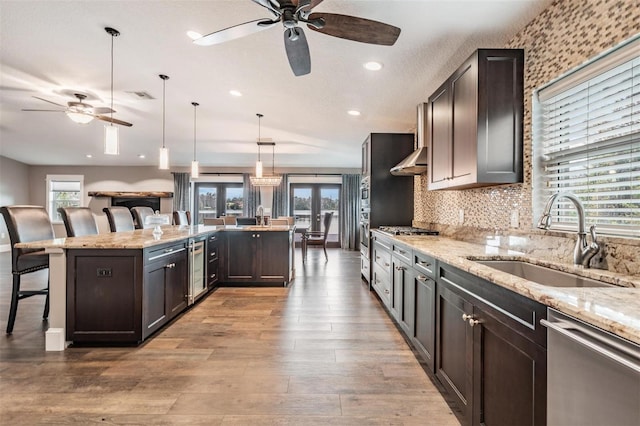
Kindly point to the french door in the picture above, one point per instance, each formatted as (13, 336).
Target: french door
(310, 201)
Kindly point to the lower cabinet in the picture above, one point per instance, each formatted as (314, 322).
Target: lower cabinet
(213, 256)
(424, 333)
(491, 351)
(258, 257)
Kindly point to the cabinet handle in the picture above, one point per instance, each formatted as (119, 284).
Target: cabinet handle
(386, 291)
(400, 268)
(169, 250)
(212, 276)
(424, 279)
(258, 235)
(253, 235)
(466, 317)
(213, 254)
(473, 322)
(423, 263)
(170, 266)
(402, 251)
(386, 264)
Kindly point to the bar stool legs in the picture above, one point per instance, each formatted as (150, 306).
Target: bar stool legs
(17, 295)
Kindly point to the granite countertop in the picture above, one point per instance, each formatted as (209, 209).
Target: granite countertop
(615, 309)
(143, 238)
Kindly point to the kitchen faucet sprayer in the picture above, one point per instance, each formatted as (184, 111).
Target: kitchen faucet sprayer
(583, 252)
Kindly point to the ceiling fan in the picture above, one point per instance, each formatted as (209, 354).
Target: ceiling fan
(81, 112)
(293, 12)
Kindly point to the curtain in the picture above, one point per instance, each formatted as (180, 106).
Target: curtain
(181, 191)
(280, 198)
(350, 213)
(251, 196)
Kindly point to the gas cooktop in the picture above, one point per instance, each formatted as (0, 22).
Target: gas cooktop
(406, 230)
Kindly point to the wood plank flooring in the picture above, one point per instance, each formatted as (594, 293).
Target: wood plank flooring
(322, 351)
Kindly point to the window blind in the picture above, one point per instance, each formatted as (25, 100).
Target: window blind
(590, 145)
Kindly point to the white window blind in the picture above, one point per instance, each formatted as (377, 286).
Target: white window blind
(589, 143)
(63, 191)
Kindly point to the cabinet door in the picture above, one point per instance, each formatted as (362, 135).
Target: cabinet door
(454, 345)
(425, 323)
(273, 256)
(154, 311)
(464, 100)
(439, 130)
(509, 376)
(240, 259)
(176, 282)
(399, 277)
(408, 308)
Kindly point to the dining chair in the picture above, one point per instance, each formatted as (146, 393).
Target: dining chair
(182, 217)
(119, 218)
(140, 213)
(246, 221)
(213, 221)
(230, 220)
(78, 221)
(318, 238)
(26, 224)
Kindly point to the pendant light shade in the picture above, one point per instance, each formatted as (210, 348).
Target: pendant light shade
(111, 142)
(195, 166)
(260, 179)
(164, 151)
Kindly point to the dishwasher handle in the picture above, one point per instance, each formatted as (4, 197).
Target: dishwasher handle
(563, 329)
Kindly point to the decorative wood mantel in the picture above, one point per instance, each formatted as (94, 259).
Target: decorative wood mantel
(137, 194)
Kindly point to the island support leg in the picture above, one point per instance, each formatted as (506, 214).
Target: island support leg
(55, 335)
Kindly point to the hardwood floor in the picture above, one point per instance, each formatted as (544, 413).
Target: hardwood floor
(322, 351)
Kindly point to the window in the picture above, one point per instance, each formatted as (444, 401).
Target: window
(587, 141)
(63, 191)
(218, 199)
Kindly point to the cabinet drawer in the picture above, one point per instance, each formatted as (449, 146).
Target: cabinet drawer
(212, 273)
(381, 284)
(381, 241)
(382, 257)
(402, 252)
(158, 253)
(424, 264)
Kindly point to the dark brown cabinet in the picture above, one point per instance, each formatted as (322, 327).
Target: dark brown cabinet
(258, 256)
(491, 351)
(425, 317)
(475, 122)
(213, 256)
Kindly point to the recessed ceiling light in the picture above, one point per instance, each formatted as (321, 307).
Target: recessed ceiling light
(353, 112)
(89, 156)
(141, 156)
(235, 93)
(373, 66)
(193, 35)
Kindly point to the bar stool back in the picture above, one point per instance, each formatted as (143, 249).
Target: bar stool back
(119, 218)
(140, 213)
(78, 221)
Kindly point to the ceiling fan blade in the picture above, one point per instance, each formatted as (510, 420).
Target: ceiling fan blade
(113, 120)
(232, 33)
(44, 110)
(297, 51)
(311, 4)
(268, 4)
(51, 102)
(103, 110)
(356, 29)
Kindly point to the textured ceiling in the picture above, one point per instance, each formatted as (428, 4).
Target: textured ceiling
(53, 48)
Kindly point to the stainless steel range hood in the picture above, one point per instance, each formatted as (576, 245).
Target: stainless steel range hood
(416, 162)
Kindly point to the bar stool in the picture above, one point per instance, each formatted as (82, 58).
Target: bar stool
(119, 218)
(182, 217)
(139, 214)
(26, 224)
(78, 221)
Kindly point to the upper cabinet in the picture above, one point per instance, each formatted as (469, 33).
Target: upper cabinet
(474, 124)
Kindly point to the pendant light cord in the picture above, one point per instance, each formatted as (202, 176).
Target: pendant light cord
(164, 100)
(112, 36)
(195, 105)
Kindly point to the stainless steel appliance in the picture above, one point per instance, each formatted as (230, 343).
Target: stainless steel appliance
(364, 243)
(406, 230)
(197, 265)
(593, 375)
(365, 189)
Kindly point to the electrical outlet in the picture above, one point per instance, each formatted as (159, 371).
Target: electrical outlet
(460, 216)
(515, 219)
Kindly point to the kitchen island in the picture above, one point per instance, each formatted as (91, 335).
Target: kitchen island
(122, 287)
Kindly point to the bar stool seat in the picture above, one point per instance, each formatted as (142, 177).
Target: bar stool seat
(26, 224)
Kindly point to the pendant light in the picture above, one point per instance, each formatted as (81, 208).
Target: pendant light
(164, 152)
(259, 162)
(111, 143)
(195, 166)
(259, 179)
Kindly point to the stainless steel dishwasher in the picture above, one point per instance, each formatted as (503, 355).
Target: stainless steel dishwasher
(593, 375)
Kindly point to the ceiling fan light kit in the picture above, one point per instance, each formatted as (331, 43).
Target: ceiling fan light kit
(195, 166)
(164, 151)
(293, 12)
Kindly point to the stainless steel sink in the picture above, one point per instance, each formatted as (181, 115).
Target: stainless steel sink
(542, 274)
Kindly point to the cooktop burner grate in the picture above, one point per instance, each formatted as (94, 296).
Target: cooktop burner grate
(406, 230)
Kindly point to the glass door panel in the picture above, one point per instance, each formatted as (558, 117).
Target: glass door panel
(301, 205)
(330, 202)
(206, 200)
(234, 202)
(309, 203)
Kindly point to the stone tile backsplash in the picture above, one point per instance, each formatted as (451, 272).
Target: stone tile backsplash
(563, 36)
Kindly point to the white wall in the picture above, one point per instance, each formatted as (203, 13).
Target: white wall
(14, 189)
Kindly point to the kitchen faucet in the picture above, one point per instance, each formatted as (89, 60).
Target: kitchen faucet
(583, 252)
